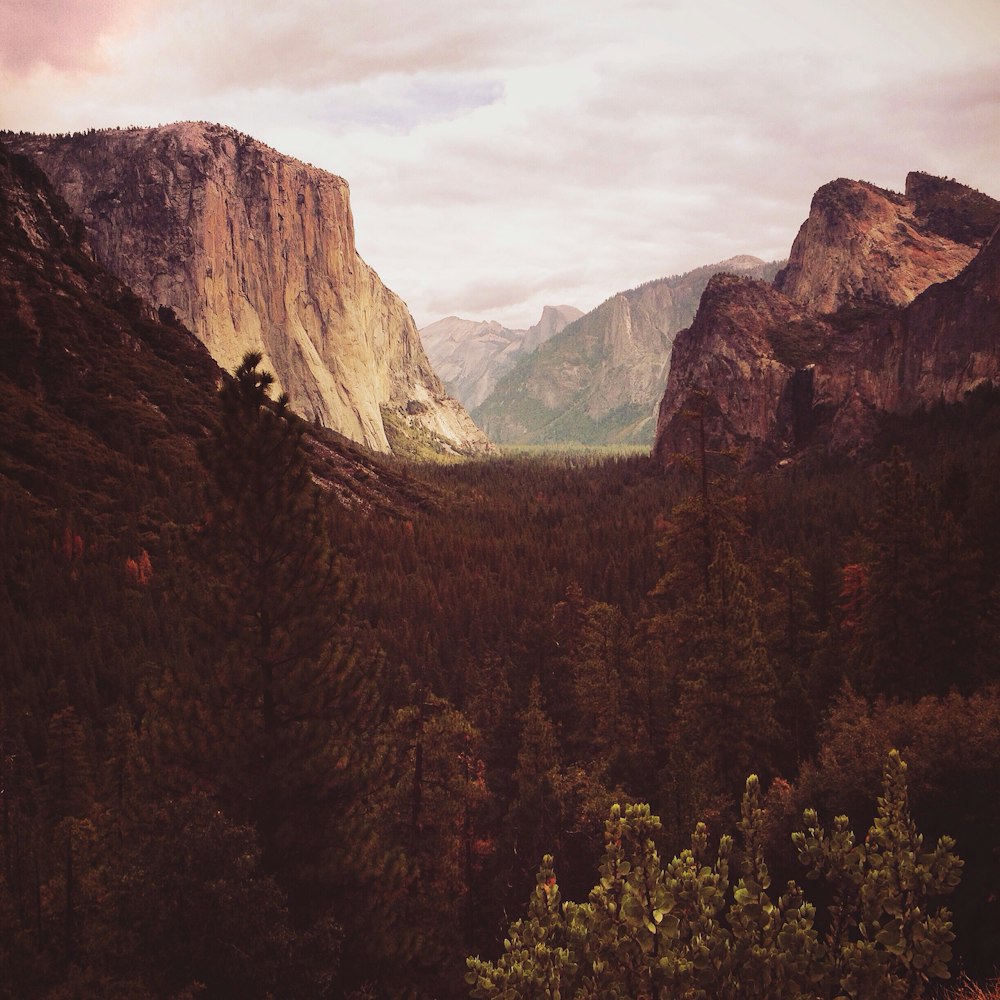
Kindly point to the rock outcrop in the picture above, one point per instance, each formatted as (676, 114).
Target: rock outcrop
(253, 250)
(861, 242)
(554, 319)
(942, 346)
(471, 357)
(729, 343)
(599, 380)
(888, 302)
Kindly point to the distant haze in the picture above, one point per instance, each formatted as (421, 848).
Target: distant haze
(506, 156)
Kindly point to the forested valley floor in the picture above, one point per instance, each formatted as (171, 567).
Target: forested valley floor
(256, 741)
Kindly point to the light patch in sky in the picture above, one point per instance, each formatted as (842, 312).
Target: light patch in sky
(400, 103)
(507, 156)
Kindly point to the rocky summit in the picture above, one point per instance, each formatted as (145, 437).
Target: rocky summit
(863, 243)
(253, 250)
(889, 302)
(472, 356)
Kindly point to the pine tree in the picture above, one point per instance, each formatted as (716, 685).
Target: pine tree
(793, 637)
(725, 712)
(699, 926)
(915, 616)
(437, 808)
(602, 683)
(536, 814)
(68, 778)
(280, 719)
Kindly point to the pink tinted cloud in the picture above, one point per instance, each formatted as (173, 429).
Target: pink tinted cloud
(59, 33)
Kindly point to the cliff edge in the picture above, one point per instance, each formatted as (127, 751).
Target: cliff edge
(254, 250)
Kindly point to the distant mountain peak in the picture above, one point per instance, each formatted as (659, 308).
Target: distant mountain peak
(471, 355)
(600, 379)
(741, 262)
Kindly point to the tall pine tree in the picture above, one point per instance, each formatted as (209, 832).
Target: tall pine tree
(280, 720)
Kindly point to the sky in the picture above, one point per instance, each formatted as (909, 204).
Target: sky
(507, 155)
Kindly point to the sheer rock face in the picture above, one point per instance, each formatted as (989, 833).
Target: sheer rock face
(471, 357)
(255, 251)
(862, 243)
(949, 340)
(727, 347)
(554, 319)
(845, 334)
(937, 349)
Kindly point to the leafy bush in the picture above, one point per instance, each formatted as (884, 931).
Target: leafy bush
(706, 926)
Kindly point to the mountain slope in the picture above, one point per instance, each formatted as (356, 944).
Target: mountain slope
(471, 357)
(103, 399)
(255, 251)
(889, 302)
(102, 402)
(600, 379)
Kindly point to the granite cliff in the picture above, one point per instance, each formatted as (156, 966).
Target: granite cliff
(889, 302)
(599, 380)
(861, 242)
(471, 357)
(253, 250)
(104, 399)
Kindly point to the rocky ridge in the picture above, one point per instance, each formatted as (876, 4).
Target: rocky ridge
(253, 250)
(861, 242)
(889, 302)
(599, 380)
(471, 357)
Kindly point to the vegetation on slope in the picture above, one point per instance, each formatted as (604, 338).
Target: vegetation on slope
(201, 795)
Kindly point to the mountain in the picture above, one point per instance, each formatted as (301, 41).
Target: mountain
(888, 303)
(104, 398)
(864, 243)
(599, 380)
(96, 390)
(253, 250)
(471, 357)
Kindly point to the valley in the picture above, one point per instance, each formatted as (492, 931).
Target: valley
(599, 380)
(286, 712)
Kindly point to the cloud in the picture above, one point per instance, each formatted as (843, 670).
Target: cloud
(64, 34)
(503, 156)
(399, 103)
(309, 44)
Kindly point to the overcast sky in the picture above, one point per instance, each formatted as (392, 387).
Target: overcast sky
(507, 155)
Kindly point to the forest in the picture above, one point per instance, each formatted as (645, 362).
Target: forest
(263, 738)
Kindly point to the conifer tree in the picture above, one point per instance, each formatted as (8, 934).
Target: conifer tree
(794, 639)
(68, 778)
(280, 720)
(536, 813)
(699, 926)
(601, 682)
(437, 809)
(725, 712)
(917, 612)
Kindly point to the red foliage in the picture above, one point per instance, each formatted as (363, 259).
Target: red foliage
(483, 847)
(69, 550)
(139, 572)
